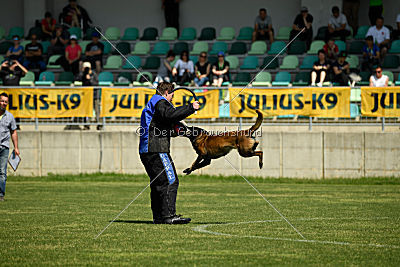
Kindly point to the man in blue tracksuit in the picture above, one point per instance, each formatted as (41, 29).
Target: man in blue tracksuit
(157, 126)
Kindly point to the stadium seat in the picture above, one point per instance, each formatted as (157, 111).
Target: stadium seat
(242, 79)
(341, 45)
(219, 47)
(390, 62)
(45, 45)
(83, 45)
(194, 59)
(106, 78)
(172, 63)
(233, 62)
(15, 31)
(24, 43)
(226, 34)
(289, 62)
(188, 34)
(245, 33)
(263, 79)
(270, 63)
(238, 48)
(169, 34)
(297, 48)
(283, 33)
(52, 62)
(213, 60)
(123, 47)
(113, 62)
(152, 62)
(398, 80)
(130, 34)
(355, 95)
(1, 58)
(4, 46)
(141, 48)
(149, 34)
(65, 78)
(302, 79)
(282, 78)
(364, 78)
(28, 79)
(207, 34)
(224, 111)
(160, 48)
(308, 62)
(107, 48)
(258, 48)
(395, 47)
(250, 63)
(45, 78)
(276, 47)
(89, 32)
(127, 76)
(353, 61)
(199, 47)
(361, 32)
(356, 47)
(390, 75)
(37, 31)
(112, 33)
(144, 82)
(77, 31)
(2, 32)
(179, 47)
(315, 47)
(321, 34)
(354, 110)
(132, 60)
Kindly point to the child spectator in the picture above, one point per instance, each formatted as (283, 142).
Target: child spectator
(72, 56)
(303, 20)
(165, 71)
(220, 70)
(58, 41)
(15, 52)
(183, 70)
(341, 70)
(381, 36)
(331, 50)
(320, 69)
(337, 25)
(48, 26)
(94, 52)
(379, 79)
(33, 55)
(202, 70)
(263, 27)
(371, 55)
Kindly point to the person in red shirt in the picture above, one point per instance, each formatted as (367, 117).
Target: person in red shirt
(48, 26)
(331, 50)
(72, 56)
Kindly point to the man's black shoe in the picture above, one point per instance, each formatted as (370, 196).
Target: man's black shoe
(157, 221)
(176, 219)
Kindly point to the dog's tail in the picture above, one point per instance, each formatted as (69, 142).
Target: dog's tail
(258, 122)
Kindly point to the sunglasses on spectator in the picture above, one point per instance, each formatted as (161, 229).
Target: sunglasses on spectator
(203, 56)
(378, 71)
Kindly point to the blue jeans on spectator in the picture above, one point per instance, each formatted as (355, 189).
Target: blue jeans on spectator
(34, 65)
(200, 82)
(3, 169)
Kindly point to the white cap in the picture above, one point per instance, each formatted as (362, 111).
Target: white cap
(73, 36)
(86, 65)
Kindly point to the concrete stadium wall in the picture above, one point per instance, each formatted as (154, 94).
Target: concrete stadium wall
(286, 154)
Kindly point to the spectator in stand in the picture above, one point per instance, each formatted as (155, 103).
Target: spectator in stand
(94, 52)
(164, 73)
(48, 26)
(15, 52)
(33, 55)
(303, 20)
(331, 50)
(371, 55)
(341, 70)
(378, 79)
(220, 70)
(375, 10)
(381, 36)
(263, 27)
(183, 70)
(73, 14)
(350, 10)
(337, 25)
(320, 69)
(11, 72)
(202, 70)
(58, 42)
(72, 56)
(396, 32)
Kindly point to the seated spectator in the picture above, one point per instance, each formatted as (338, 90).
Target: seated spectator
(202, 70)
(73, 14)
(183, 70)
(15, 52)
(341, 70)
(11, 72)
(220, 70)
(320, 69)
(72, 56)
(303, 20)
(263, 27)
(331, 50)
(58, 41)
(33, 55)
(94, 52)
(381, 36)
(48, 26)
(396, 32)
(371, 55)
(378, 79)
(87, 75)
(165, 71)
(337, 25)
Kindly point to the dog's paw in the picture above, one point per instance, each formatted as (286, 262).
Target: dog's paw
(260, 164)
(187, 171)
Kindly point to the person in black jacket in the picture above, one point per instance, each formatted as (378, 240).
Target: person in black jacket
(158, 120)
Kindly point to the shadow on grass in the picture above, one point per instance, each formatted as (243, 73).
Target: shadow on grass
(151, 222)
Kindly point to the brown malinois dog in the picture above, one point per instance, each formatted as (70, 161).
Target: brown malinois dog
(212, 146)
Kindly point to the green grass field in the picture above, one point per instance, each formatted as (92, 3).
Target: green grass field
(54, 220)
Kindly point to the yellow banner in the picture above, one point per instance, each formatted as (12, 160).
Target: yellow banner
(50, 103)
(128, 102)
(380, 101)
(313, 102)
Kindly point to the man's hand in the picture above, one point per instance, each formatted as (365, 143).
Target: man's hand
(196, 105)
(16, 151)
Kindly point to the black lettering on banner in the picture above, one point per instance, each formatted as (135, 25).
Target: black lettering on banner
(318, 101)
(136, 102)
(376, 102)
(147, 98)
(42, 99)
(20, 102)
(282, 100)
(128, 104)
(75, 100)
(298, 101)
(379, 100)
(257, 105)
(264, 103)
(27, 106)
(383, 105)
(398, 101)
(11, 103)
(331, 99)
(62, 101)
(242, 103)
(275, 101)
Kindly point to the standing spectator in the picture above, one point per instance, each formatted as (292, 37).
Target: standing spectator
(337, 25)
(33, 55)
(11, 72)
(375, 10)
(171, 13)
(202, 70)
(396, 32)
(183, 70)
(320, 69)
(88, 78)
(371, 55)
(72, 56)
(331, 50)
(350, 9)
(15, 52)
(94, 52)
(381, 36)
(165, 71)
(73, 14)
(341, 70)
(8, 129)
(58, 42)
(220, 70)
(303, 20)
(48, 26)
(263, 27)
(379, 79)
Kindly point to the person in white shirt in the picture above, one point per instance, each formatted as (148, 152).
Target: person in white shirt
(183, 70)
(381, 35)
(378, 79)
(337, 25)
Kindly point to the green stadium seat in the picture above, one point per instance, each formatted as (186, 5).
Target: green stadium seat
(106, 78)
(46, 78)
(113, 62)
(355, 95)
(188, 34)
(308, 62)
(356, 47)
(130, 34)
(283, 33)
(28, 79)
(112, 33)
(65, 78)
(364, 78)
(353, 61)
(289, 62)
(207, 34)
(226, 34)
(145, 83)
(321, 34)
(16, 31)
(398, 80)
(88, 35)
(83, 45)
(242, 79)
(282, 78)
(354, 110)
(224, 111)
(258, 48)
(199, 47)
(297, 48)
(169, 34)
(141, 48)
(37, 31)
(262, 79)
(395, 47)
(315, 47)
(233, 62)
(2, 32)
(123, 47)
(245, 33)
(24, 43)
(270, 63)
(172, 63)
(77, 31)
(391, 62)
(341, 45)
(390, 75)
(361, 32)
(152, 62)
(219, 47)
(276, 47)
(4, 46)
(250, 63)
(238, 48)
(1, 58)
(212, 60)
(149, 34)
(107, 48)
(179, 47)
(160, 48)
(52, 62)
(194, 59)
(132, 60)
(127, 76)
(302, 79)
